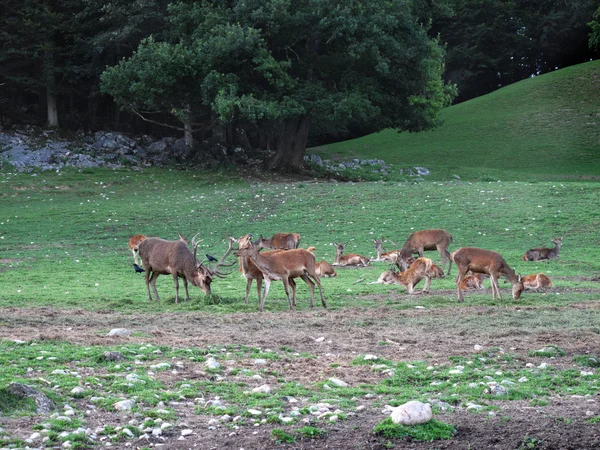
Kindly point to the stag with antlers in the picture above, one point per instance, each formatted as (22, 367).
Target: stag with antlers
(161, 257)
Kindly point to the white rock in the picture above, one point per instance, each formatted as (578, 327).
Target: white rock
(264, 389)
(35, 436)
(77, 390)
(256, 377)
(287, 419)
(477, 347)
(455, 372)
(260, 361)
(119, 332)
(333, 418)
(128, 432)
(67, 444)
(370, 357)
(124, 405)
(255, 412)
(320, 339)
(474, 406)
(523, 380)
(157, 432)
(586, 374)
(412, 413)
(59, 372)
(360, 407)
(543, 365)
(419, 307)
(132, 377)
(212, 363)
(163, 365)
(337, 382)
(166, 426)
(187, 432)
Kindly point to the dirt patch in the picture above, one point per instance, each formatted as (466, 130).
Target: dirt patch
(398, 335)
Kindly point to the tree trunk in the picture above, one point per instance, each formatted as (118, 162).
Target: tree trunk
(289, 155)
(51, 108)
(188, 135)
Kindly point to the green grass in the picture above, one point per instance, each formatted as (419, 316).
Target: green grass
(542, 128)
(63, 240)
(430, 431)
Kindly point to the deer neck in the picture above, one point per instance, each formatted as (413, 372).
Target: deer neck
(338, 257)
(510, 275)
(556, 248)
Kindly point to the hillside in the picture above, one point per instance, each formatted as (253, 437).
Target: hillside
(542, 128)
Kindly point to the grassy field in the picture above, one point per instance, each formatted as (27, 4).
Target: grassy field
(543, 128)
(66, 278)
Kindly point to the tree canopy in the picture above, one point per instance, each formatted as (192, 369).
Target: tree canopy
(267, 70)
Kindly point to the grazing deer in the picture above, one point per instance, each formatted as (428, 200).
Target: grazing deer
(472, 281)
(385, 256)
(419, 241)
(323, 268)
(134, 242)
(284, 266)
(487, 262)
(352, 259)
(536, 282)
(538, 254)
(283, 241)
(161, 257)
(420, 269)
(249, 269)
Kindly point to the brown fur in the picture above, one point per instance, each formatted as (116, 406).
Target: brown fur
(538, 254)
(284, 266)
(421, 269)
(536, 282)
(472, 281)
(385, 256)
(423, 240)
(352, 259)
(323, 268)
(478, 260)
(161, 257)
(249, 269)
(283, 241)
(134, 242)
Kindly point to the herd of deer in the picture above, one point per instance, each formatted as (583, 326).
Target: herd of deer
(286, 262)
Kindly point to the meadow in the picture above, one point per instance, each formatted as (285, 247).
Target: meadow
(66, 279)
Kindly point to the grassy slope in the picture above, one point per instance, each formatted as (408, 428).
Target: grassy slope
(543, 128)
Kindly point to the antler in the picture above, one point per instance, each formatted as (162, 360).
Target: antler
(215, 270)
(195, 245)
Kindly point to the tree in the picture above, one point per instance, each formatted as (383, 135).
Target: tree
(268, 69)
(594, 36)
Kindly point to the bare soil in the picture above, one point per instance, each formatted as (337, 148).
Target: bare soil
(348, 333)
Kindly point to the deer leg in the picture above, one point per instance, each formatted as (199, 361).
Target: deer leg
(461, 274)
(248, 286)
(261, 301)
(445, 254)
(317, 280)
(427, 284)
(293, 285)
(147, 278)
(495, 288)
(153, 283)
(259, 287)
(176, 283)
(286, 286)
(185, 285)
(311, 285)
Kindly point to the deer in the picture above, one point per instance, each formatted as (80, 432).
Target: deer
(472, 281)
(420, 269)
(419, 241)
(134, 242)
(478, 260)
(352, 259)
(249, 269)
(384, 256)
(283, 241)
(323, 268)
(539, 254)
(284, 266)
(536, 282)
(162, 257)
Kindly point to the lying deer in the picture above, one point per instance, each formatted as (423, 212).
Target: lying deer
(385, 256)
(161, 257)
(285, 266)
(249, 269)
(538, 254)
(472, 281)
(323, 268)
(536, 282)
(419, 241)
(283, 241)
(352, 259)
(420, 269)
(487, 262)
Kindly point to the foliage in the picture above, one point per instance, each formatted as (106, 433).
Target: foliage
(430, 431)
(594, 36)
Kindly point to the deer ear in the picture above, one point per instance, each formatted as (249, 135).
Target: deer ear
(519, 278)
